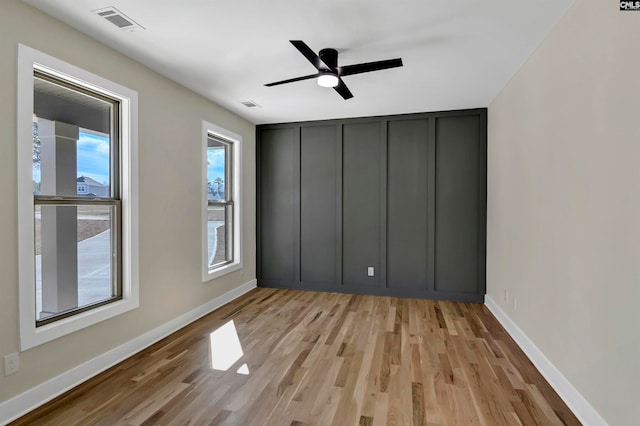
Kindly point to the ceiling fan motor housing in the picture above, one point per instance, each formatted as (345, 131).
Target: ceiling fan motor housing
(329, 57)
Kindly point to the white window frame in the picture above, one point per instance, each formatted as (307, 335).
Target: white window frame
(236, 188)
(30, 335)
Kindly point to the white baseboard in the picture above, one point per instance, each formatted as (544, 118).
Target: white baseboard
(570, 395)
(39, 395)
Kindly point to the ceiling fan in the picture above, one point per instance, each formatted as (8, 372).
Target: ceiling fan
(329, 73)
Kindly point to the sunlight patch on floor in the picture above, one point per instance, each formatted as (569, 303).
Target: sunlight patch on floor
(226, 349)
(244, 369)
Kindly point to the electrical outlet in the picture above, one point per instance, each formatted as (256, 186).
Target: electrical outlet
(370, 271)
(11, 364)
(506, 295)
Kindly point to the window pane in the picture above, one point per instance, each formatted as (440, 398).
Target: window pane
(217, 235)
(68, 158)
(93, 175)
(217, 170)
(73, 257)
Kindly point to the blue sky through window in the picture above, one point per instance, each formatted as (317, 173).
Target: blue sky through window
(215, 164)
(92, 160)
(93, 157)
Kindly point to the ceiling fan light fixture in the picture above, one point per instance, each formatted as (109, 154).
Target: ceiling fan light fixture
(329, 73)
(328, 79)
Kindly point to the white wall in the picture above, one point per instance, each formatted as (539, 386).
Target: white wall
(170, 120)
(564, 203)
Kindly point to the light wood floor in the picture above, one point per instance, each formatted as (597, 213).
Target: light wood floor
(322, 359)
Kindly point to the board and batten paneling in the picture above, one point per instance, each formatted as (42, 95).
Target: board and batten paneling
(405, 195)
(360, 203)
(278, 177)
(407, 211)
(457, 204)
(318, 218)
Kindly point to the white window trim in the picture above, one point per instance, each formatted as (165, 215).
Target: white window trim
(30, 335)
(212, 129)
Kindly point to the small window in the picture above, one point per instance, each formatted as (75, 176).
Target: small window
(220, 202)
(77, 217)
(221, 252)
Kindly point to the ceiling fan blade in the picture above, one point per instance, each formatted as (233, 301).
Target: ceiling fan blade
(310, 55)
(291, 80)
(343, 90)
(369, 66)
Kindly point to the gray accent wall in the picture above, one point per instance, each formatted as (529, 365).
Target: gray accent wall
(404, 195)
(277, 193)
(318, 218)
(408, 229)
(457, 204)
(360, 203)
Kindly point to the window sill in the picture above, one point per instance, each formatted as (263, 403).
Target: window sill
(221, 271)
(32, 336)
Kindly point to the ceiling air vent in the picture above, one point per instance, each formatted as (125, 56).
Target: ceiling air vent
(118, 18)
(250, 104)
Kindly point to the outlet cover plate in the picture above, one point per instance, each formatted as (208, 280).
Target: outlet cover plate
(11, 364)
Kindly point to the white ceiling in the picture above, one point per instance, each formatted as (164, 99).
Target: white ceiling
(457, 54)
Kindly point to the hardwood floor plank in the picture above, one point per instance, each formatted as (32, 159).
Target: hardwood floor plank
(417, 401)
(220, 418)
(309, 358)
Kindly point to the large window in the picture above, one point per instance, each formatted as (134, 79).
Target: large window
(77, 235)
(221, 240)
(77, 221)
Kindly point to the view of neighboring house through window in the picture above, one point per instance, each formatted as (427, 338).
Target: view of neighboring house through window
(220, 202)
(76, 198)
